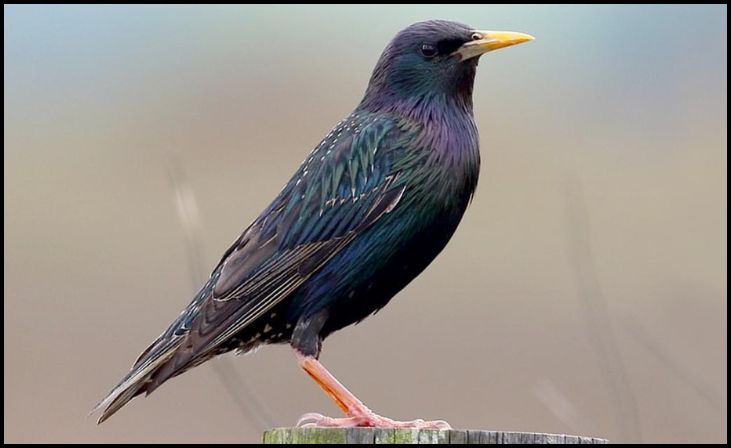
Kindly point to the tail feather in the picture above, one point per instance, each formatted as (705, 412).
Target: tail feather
(119, 401)
(139, 377)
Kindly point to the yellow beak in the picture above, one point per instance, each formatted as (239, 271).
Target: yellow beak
(484, 41)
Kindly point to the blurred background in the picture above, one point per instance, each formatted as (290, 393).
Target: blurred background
(585, 291)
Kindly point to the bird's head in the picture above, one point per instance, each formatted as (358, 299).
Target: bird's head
(436, 58)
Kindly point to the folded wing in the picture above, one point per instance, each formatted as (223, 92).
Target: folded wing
(346, 185)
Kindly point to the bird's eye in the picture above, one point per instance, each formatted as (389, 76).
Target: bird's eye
(428, 50)
(476, 36)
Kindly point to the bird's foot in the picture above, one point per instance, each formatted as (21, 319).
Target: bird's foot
(356, 413)
(366, 419)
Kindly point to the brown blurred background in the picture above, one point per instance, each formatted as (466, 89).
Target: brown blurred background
(585, 291)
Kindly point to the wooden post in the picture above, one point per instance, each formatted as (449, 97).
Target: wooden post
(278, 436)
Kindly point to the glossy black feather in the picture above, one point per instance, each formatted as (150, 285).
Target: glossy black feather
(366, 212)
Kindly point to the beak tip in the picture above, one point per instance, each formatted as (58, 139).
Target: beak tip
(521, 38)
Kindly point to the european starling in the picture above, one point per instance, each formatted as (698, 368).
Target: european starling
(371, 206)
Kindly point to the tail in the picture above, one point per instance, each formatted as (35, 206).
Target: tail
(140, 377)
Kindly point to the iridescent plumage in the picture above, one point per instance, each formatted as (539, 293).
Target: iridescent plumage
(365, 213)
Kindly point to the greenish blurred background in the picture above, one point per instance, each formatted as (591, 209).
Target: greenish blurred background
(585, 291)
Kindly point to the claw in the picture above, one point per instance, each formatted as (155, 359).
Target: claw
(315, 420)
(439, 424)
(310, 419)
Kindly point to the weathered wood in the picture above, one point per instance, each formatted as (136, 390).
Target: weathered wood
(368, 436)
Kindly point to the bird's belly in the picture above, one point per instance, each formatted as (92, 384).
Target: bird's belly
(373, 268)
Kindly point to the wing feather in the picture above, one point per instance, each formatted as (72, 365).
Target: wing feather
(346, 185)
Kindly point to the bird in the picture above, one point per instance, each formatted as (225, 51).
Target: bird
(366, 212)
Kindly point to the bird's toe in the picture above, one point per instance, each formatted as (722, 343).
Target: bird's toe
(310, 419)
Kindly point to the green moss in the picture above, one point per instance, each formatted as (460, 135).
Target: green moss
(405, 436)
(327, 436)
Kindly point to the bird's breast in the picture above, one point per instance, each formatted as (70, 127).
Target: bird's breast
(451, 170)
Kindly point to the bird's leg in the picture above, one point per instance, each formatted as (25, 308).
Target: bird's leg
(342, 396)
(357, 413)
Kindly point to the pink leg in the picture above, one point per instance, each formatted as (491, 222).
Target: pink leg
(357, 413)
